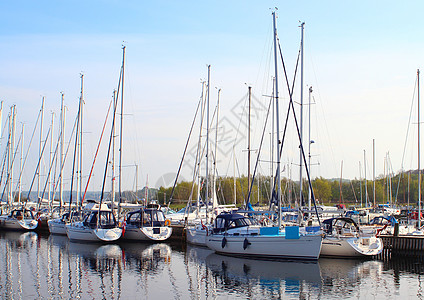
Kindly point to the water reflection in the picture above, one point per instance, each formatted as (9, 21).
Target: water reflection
(142, 257)
(270, 278)
(34, 266)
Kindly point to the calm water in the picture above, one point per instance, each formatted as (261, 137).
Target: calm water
(51, 267)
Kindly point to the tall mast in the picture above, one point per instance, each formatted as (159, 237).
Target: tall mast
(309, 144)
(360, 181)
(234, 179)
(79, 195)
(50, 178)
(419, 167)
(365, 178)
(373, 169)
(121, 130)
(277, 120)
(62, 144)
(21, 166)
(248, 140)
(40, 147)
(113, 153)
(207, 140)
(9, 158)
(10, 150)
(272, 136)
(340, 185)
(301, 115)
(12, 147)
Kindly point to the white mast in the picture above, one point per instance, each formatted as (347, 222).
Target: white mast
(207, 141)
(40, 148)
(248, 142)
(12, 148)
(373, 169)
(419, 168)
(50, 178)
(62, 141)
(309, 144)
(272, 137)
(79, 188)
(235, 183)
(113, 154)
(277, 121)
(121, 130)
(301, 114)
(360, 181)
(21, 163)
(8, 160)
(365, 178)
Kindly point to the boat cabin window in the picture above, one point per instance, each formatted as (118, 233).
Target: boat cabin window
(220, 223)
(107, 219)
(19, 213)
(224, 224)
(134, 219)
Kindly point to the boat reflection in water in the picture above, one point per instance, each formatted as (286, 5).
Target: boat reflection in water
(34, 266)
(213, 274)
(19, 241)
(263, 277)
(142, 257)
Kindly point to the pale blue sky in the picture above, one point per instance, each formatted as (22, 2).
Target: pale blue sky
(360, 57)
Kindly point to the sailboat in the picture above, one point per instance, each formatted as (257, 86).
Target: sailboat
(100, 224)
(345, 239)
(19, 217)
(268, 242)
(196, 233)
(198, 227)
(147, 224)
(58, 225)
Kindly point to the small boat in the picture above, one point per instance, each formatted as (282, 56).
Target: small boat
(94, 228)
(233, 235)
(19, 219)
(147, 224)
(345, 239)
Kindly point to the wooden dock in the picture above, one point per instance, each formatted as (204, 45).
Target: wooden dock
(403, 245)
(178, 233)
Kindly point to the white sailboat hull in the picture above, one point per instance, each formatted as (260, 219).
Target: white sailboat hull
(147, 233)
(57, 226)
(306, 247)
(78, 232)
(15, 224)
(196, 235)
(351, 246)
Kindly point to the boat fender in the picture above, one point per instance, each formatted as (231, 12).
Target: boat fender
(224, 242)
(167, 222)
(246, 243)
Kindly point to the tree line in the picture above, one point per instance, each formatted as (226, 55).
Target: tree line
(400, 189)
